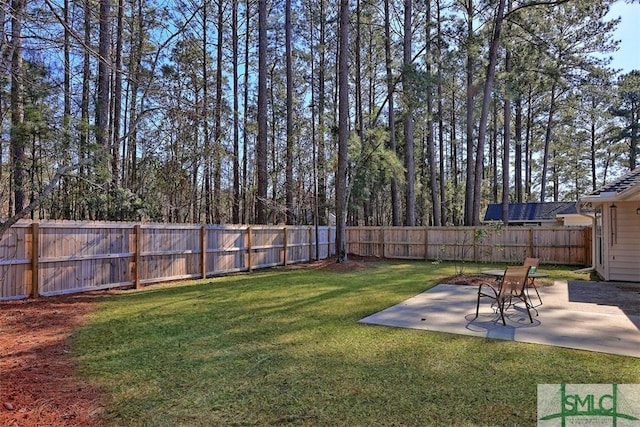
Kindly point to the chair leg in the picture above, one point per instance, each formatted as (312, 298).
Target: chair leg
(532, 284)
(501, 306)
(526, 301)
(526, 305)
(535, 288)
(480, 294)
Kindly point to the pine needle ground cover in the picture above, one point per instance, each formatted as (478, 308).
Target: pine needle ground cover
(283, 347)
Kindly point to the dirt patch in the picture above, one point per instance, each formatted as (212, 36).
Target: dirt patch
(476, 279)
(38, 381)
(354, 263)
(466, 279)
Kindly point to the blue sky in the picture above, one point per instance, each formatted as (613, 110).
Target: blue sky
(627, 57)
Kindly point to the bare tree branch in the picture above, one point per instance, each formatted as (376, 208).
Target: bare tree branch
(41, 197)
(534, 4)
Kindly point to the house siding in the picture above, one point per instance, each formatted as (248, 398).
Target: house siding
(576, 221)
(624, 252)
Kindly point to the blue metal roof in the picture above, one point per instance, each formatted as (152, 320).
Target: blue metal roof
(530, 212)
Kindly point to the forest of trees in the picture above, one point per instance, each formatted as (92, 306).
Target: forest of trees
(383, 112)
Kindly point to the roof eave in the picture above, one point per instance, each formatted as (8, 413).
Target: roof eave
(598, 199)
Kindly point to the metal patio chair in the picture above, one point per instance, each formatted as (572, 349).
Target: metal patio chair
(511, 286)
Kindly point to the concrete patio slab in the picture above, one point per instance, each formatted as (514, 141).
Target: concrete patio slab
(570, 317)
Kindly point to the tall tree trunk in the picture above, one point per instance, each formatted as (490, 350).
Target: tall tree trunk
(117, 97)
(592, 147)
(289, 212)
(456, 217)
(634, 131)
(395, 202)
(65, 208)
(343, 133)
(506, 139)
(18, 137)
(371, 205)
(556, 179)
(235, 209)
(409, 161)
(470, 177)
(431, 146)
(203, 155)
(440, 96)
(493, 150)
(359, 125)
(506, 146)
(321, 162)
(314, 136)
(246, 211)
(261, 144)
(84, 112)
(273, 215)
(104, 80)
(5, 64)
(527, 145)
(518, 150)
(547, 143)
(135, 72)
(217, 132)
(486, 103)
(204, 105)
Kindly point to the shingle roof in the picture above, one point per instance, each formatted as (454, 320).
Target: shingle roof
(626, 182)
(530, 212)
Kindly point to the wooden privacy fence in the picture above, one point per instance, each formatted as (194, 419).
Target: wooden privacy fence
(556, 245)
(54, 258)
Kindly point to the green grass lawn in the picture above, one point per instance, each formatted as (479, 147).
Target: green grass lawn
(283, 347)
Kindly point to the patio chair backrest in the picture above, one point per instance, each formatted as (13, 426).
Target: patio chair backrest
(531, 262)
(514, 281)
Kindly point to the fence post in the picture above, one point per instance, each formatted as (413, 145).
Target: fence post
(136, 256)
(35, 260)
(475, 243)
(249, 249)
(426, 243)
(203, 254)
(531, 254)
(382, 242)
(328, 242)
(284, 246)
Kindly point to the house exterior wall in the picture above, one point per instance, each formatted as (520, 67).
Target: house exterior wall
(576, 220)
(621, 242)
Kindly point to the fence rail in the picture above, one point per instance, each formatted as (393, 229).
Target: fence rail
(553, 245)
(54, 258)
